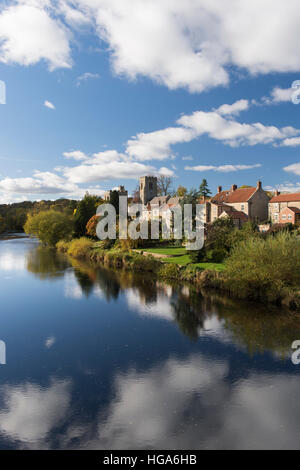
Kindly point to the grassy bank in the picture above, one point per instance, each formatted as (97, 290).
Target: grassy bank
(257, 269)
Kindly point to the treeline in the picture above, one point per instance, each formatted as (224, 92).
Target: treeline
(13, 216)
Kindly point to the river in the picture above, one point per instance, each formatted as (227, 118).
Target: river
(97, 359)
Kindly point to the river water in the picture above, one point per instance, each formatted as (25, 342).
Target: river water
(97, 359)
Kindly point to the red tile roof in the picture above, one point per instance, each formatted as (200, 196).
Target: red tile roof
(237, 215)
(292, 197)
(293, 209)
(231, 197)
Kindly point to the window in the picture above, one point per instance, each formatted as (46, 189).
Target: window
(290, 216)
(242, 207)
(283, 216)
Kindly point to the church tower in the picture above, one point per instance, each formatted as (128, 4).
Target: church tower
(148, 188)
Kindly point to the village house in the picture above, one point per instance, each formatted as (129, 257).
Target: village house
(242, 204)
(285, 208)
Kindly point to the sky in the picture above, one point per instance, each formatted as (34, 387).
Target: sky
(100, 92)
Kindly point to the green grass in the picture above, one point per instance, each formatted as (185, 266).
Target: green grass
(167, 250)
(211, 266)
(182, 260)
(185, 260)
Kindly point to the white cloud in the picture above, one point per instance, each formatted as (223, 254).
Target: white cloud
(222, 168)
(156, 145)
(218, 125)
(28, 35)
(86, 76)
(285, 187)
(279, 95)
(295, 168)
(192, 44)
(43, 183)
(49, 105)
(75, 154)
(291, 142)
(233, 109)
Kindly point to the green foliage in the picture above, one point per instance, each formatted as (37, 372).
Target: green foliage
(80, 247)
(63, 246)
(15, 215)
(114, 200)
(204, 190)
(49, 226)
(259, 268)
(86, 209)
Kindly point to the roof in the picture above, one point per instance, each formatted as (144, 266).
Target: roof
(159, 200)
(231, 197)
(237, 215)
(296, 210)
(291, 197)
(174, 201)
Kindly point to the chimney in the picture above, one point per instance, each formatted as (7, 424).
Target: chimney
(277, 192)
(259, 185)
(233, 187)
(219, 189)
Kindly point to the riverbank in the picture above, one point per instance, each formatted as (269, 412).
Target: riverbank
(265, 292)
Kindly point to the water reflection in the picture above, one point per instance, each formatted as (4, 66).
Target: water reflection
(113, 359)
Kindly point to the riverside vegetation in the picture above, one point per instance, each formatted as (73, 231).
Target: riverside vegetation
(243, 263)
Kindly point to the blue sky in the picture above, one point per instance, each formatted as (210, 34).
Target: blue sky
(101, 92)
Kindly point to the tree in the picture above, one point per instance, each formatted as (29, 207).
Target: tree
(136, 195)
(181, 191)
(2, 224)
(164, 184)
(50, 226)
(86, 209)
(204, 190)
(91, 226)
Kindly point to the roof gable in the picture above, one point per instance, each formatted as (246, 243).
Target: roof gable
(231, 197)
(292, 197)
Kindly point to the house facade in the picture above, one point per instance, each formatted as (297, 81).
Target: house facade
(250, 201)
(283, 208)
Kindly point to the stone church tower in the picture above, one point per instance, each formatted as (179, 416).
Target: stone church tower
(148, 188)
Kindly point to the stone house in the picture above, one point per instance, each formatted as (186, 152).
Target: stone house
(252, 201)
(279, 204)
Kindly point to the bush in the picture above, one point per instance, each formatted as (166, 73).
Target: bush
(63, 246)
(80, 247)
(49, 226)
(268, 269)
(216, 255)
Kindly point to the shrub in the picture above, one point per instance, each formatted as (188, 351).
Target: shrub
(169, 271)
(63, 246)
(216, 255)
(49, 226)
(80, 247)
(259, 268)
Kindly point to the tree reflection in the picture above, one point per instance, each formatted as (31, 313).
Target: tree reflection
(46, 263)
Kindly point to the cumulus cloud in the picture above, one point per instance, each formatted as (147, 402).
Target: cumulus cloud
(192, 44)
(222, 168)
(233, 109)
(110, 165)
(279, 95)
(295, 168)
(291, 142)
(28, 35)
(218, 124)
(75, 154)
(49, 105)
